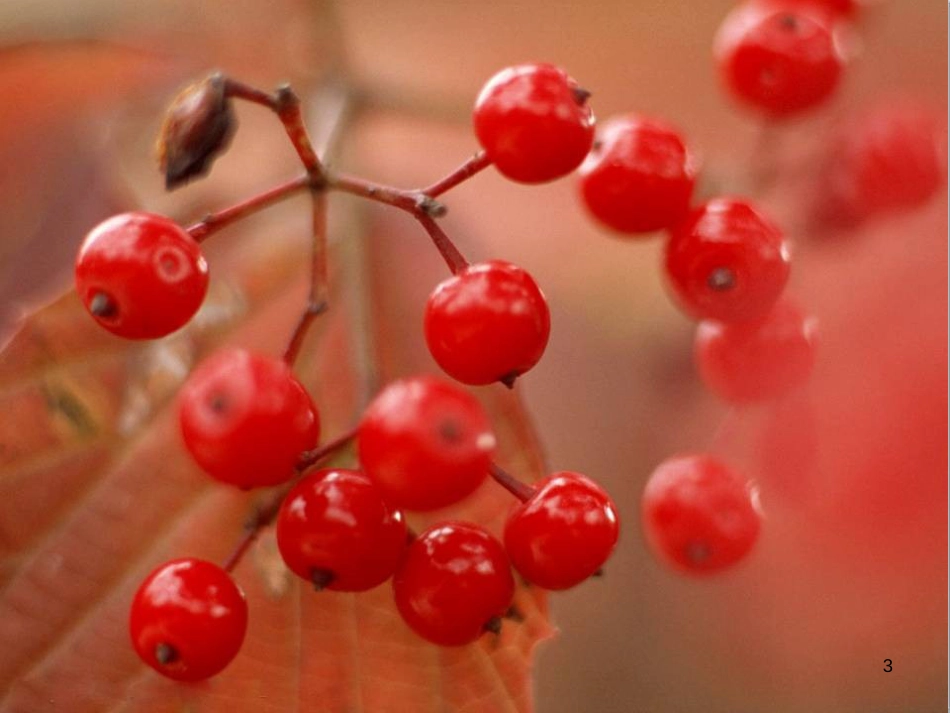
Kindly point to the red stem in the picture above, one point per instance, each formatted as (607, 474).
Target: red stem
(468, 169)
(520, 490)
(453, 258)
(214, 222)
(316, 455)
(265, 512)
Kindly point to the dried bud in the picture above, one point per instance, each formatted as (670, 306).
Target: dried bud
(198, 126)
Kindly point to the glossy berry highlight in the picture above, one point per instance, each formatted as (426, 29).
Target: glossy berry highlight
(489, 322)
(425, 442)
(140, 275)
(246, 419)
(749, 362)
(562, 534)
(335, 531)
(779, 59)
(534, 122)
(639, 176)
(727, 262)
(698, 515)
(188, 619)
(454, 583)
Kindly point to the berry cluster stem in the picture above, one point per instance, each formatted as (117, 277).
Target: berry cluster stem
(468, 169)
(520, 490)
(213, 222)
(265, 512)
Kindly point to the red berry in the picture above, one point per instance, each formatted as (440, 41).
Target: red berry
(639, 176)
(489, 322)
(564, 533)
(188, 619)
(454, 582)
(888, 159)
(334, 530)
(534, 123)
(757, 361)
(727, 262)
(425, 442)
(246, 419)
(140, 275)
(777, 58)
(833, 9)
(698, 514)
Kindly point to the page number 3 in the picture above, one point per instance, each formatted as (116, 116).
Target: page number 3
(887, 665)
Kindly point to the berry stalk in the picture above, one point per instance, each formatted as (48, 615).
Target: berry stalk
(520, 490)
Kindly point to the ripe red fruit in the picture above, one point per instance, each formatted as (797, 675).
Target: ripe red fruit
(533, 122)
(757, 361)
(246, 419)
(334, 530)
(727, 262)
(698, 514)
(833, 9)
(564, 533)
(888, 159)
(778, 59)
(140, 275)
(639, 176)
(425, 442)
(489, 322)
(453, 584)
(188, 619)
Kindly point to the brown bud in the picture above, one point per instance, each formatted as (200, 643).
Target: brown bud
(198, 127)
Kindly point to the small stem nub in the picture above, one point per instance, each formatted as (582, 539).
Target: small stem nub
(321, 578)
(581, 95)
(721, 279)
(165, 653)
(493, 625)
(102, 305)
(509, 379)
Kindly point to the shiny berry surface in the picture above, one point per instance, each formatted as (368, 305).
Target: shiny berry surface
(757, 361)
(727, 262)
(454, 582)
(533, 122)
(188, 619)
(425, 442)
(778, 59)
(888, 159)
(334, 530)
(140, 275)
(246, 419)
(698, 515)
(639, 176)
(490, 322)
(564, 533)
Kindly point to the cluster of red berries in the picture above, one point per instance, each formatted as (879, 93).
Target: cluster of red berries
(424, 443)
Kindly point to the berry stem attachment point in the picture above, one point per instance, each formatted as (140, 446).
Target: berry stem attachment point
(520, 490)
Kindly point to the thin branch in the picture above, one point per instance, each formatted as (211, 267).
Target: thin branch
(214, 222)
(453, 258)
(520, 490)
(468, 169)
(265, 512)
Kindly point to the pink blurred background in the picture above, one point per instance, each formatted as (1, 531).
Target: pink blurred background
(851, 569)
